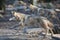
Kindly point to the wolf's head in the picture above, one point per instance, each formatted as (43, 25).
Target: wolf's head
(12, 18)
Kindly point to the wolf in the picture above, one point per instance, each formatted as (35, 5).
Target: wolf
(35, 20)
(19, 16)
(42, 22)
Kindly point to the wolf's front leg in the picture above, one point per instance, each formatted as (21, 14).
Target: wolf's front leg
(22, 23)
(47, 31)
(51, 32)
(46, 34)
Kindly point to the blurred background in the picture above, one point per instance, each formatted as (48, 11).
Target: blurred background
(46, 8)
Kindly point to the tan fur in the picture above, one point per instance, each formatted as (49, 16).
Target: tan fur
(20, 16)
(33, 21)
(32, 6)
(44, 22)
(47, 25)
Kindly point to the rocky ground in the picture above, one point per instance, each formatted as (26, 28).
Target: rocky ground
(9, 29)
